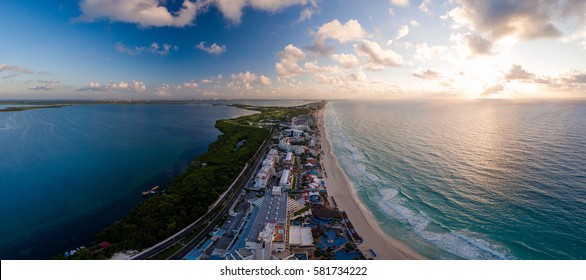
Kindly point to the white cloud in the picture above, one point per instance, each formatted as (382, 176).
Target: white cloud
(356, 76)
(189, 85)
(247, 79)
(346, 60)
(426, 74)
(287, 67)
(163, 90)
(232, 9)
(414, 22)
(47, 85)
(402, 32)
(349, 31)
(343, 80)
(213, 49)
(403, 3)
(308, 13)
(313, 67)
(154, 48)
(264, 80)
(518, 73)
(330, 80)
(493, 89)
(377, 56)
(424, 6)
(147, 13)
(15, 69)
(142, 12)
(423, 52)
(134, 86)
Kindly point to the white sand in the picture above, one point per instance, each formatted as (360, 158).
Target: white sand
(339, 187)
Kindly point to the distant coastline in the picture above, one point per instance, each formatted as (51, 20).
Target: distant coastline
(24, 108)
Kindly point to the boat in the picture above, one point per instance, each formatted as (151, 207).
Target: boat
(151, 191)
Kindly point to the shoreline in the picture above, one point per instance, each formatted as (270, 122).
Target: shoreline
(340, 188)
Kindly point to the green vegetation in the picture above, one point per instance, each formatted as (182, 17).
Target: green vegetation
(24, 108)
(269, 114)
(188, 196)
(300, 211)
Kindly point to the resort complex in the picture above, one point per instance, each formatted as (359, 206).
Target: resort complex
(285, 211)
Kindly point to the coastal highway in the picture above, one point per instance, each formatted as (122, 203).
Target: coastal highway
(218, 210)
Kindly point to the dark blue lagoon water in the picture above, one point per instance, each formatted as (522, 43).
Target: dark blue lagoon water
(473, 180)
(66, 173)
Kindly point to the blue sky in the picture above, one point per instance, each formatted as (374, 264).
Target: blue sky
(154, 49)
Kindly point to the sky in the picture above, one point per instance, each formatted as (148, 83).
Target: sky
(310, 49)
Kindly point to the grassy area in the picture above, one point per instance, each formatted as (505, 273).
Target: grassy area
(300, 211)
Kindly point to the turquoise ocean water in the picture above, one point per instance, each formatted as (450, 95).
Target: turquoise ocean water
(66, 173)
(472, 180)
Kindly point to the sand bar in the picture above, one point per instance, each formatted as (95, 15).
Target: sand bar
(339, 187)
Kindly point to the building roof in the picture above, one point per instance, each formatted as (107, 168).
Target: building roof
(279, 233)
(285, 177)
(300, 236)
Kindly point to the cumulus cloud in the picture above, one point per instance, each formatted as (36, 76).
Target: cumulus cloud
(288, 66)
(494, 89)
(167, 90)
(264, 80)
(188, 85)
(423, 52)
(134, 86)
(403, 3)
(346, 60)
(377, 56)
(519, 80)
(145, 13)
(247, 79)
(232, 9)
(403, 31)
(47, 85)
(309, 12)
(356, 76)
(424, 6)
(349, 31)
(213, 49)
(340, 79)
(321, 48)
(427, 74)
(522, 19)
(478, 45)
(149, 13)
(314, 67)
(154, 48)
(518, 73)
(15, 69)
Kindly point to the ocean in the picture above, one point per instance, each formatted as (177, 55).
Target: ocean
(483, 179)
(66, 173)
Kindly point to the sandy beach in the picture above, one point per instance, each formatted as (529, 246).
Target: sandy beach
(339, 187)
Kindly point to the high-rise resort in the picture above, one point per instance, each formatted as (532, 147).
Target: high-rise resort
(360, 137)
